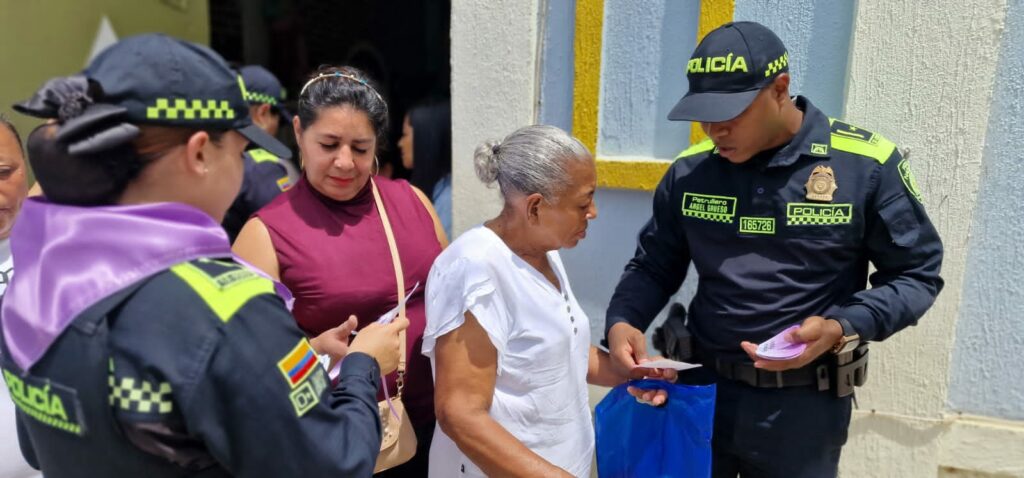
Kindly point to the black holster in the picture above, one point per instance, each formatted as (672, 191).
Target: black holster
(672, 338)
(844, 372)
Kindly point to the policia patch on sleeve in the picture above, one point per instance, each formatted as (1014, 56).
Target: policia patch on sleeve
(48, 402)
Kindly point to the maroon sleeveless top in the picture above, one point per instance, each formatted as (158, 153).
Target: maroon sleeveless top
(334, 257)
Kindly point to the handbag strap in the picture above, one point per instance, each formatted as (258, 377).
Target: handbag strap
(399, 279)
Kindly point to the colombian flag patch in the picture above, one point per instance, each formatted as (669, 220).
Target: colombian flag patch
(298, 364)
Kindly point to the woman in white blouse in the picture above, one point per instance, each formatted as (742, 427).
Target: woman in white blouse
(509, 344)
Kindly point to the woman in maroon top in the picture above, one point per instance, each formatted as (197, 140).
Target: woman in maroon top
(324, 238)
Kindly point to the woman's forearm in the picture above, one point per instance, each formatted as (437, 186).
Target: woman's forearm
(492, 448)
(600, 370)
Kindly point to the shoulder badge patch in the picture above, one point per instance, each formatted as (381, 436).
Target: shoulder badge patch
(822, 184)
(849, 138)
(308, 393)
(908, 180)
(298, 364)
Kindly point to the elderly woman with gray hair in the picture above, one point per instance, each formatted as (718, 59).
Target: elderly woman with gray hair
(509, 344)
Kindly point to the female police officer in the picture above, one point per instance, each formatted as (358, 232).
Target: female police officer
(132, 343)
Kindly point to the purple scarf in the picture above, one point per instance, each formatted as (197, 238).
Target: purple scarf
(67, 259)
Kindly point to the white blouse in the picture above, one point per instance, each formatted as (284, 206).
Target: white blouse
(542, 338)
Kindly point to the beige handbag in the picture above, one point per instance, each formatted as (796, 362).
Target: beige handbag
(398, 440)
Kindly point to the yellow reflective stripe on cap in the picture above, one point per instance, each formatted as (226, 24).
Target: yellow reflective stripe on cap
(852, 139)
(190, 109)
(706, 145)
(262, 156)
(258, 97)
(241, 86)
(224, 297)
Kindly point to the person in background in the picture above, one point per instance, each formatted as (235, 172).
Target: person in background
(326, 241)
(426, 146)
(509, 343)
(13, 189)
(136, 345)
(266, 174)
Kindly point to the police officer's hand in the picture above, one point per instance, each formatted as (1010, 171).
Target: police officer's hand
(820, 335)
(334, 342)
(382, 343)
(627, 347)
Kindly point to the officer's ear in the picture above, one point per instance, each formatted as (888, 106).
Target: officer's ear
(780, 88)
(260, 114)
(196, 156)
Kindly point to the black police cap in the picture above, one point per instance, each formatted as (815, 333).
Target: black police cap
(728, 69)
(262, 87)
(165, 81)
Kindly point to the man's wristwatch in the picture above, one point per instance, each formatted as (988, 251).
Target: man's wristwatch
(849, 341)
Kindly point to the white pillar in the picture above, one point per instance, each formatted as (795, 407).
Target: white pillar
(495, 62)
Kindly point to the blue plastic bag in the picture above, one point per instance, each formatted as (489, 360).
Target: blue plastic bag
(638, 440)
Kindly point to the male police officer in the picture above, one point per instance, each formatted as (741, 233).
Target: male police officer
(780, 212)
(266, 174)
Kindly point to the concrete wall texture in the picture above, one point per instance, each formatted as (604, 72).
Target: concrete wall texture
(945, 398)
(645, 48)
(985, 378)
(495, 66)
(817, 35)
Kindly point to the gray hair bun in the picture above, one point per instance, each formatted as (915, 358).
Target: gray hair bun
(485, 161)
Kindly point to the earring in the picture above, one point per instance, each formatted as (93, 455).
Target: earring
(376, 164)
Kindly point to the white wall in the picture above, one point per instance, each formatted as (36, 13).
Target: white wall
(494, 91)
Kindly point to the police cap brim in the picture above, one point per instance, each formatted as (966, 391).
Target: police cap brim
(264, 140)
(712, 107)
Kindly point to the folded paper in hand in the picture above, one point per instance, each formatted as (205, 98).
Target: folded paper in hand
(391, 314)
(666, 363)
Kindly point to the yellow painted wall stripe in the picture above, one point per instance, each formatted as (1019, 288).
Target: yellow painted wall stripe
(587, 63)
(713, 13)
(643, 175)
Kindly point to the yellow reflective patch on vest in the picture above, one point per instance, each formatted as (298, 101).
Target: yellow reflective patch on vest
(849, 138)
(706, 145)
(224, 293)
(261, 155)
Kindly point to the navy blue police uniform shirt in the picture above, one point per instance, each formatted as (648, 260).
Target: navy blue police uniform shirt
(207, 372)
(265, 177)
(769, 253)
